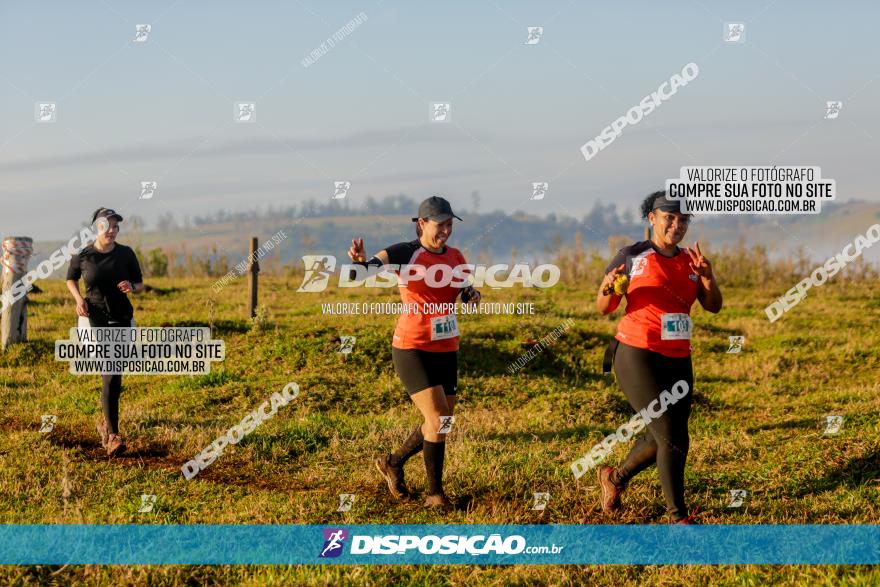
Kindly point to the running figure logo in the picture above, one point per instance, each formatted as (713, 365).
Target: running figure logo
(446, 423)
(736, 344)
(346, 344)
(734, 32)
(440, 112)
(148, 189)
(147, 503)
(46, 112)
(832, 109)
(341, 189)
(736, 498)
(833, 424)
(541, 500)
(333, 542)
(245, 111)
(346, 500)
(535, 34)
(539, 190)
(48, 423)
(141, 32)
(318, 271)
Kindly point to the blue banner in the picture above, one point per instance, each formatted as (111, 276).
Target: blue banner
(438, 544)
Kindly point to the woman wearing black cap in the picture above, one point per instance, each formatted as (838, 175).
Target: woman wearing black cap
(110, 271)
(424, 347)
(651, 351)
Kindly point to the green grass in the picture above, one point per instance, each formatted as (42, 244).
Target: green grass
(755, 426)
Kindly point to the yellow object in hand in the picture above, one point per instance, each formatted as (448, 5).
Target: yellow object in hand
(621, 283)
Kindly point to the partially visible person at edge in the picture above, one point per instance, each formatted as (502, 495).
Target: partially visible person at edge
(111, 271)
(424, 348)
(652, 349)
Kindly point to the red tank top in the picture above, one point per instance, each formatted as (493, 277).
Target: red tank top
(658, 301)
(435, 331)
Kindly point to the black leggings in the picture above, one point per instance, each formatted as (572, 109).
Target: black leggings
(643, 375)
(111, 387)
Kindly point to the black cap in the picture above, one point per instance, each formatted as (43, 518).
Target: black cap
(667, 204)
(106, 213)
(435, 208)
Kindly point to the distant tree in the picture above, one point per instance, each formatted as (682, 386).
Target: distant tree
(136, 222)
(156, 263)
(166, 222)
(475, 199)
(370, 205)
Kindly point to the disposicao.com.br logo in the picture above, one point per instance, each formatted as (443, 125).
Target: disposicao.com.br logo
(431, 544)
(319, 269)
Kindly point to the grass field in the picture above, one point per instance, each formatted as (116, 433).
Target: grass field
(756, 425)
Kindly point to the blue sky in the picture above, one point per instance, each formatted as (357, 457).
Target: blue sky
(163, 110)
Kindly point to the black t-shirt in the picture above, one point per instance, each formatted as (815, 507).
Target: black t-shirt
(101, 273)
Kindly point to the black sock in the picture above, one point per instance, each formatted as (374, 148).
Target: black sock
(410, 447)
(110, 391)
(434, 453)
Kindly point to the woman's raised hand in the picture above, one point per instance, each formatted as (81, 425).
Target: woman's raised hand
(356, 251)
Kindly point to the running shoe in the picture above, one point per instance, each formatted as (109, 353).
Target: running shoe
(610, 491)
(115, 445)
(102, 431)
(393, 476)
(691, 519)
(438, 501)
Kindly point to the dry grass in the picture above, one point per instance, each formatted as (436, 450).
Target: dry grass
(756, 426)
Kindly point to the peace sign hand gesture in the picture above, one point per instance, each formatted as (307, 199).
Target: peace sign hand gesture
(356, 252)
(699, 264)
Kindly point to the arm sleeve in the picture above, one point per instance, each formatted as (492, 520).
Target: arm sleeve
(373, 266)
(73, 270)
(398, 254)
(619, 259)
(401, 253)
(134, 269)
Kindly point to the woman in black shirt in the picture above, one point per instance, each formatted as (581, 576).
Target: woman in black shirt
(110, 271)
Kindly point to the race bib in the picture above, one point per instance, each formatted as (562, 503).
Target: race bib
(675, 327)
(443, 327)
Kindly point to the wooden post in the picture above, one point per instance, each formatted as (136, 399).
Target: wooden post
(252, 278)
(13, 322)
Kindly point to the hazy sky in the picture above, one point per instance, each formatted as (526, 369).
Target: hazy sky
(163, 109)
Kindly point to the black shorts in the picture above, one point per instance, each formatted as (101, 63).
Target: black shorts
(420, 370)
